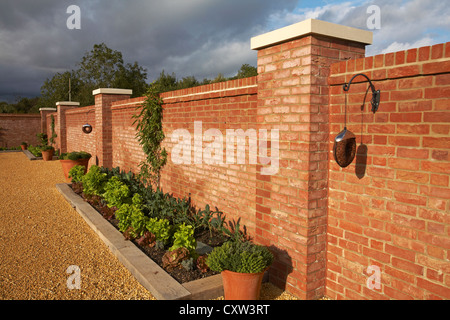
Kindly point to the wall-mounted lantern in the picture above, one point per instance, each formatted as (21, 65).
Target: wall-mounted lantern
(344, 149)
(87, 128)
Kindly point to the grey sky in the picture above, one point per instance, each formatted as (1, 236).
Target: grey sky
(188, 37)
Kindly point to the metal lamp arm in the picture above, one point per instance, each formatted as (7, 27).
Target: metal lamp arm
(375, 93)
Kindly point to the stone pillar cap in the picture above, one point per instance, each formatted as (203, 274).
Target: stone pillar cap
(47, 109)
(67, 103)
(311, 26)
(112, 91)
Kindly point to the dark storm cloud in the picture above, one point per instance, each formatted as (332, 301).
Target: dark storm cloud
(188, 37)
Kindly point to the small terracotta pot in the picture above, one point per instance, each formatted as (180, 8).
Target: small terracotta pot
(24, 146)
(69, 164)
(241, 286)
(48, 155)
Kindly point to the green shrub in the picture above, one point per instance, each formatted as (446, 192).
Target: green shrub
(116, 193)
(94, 181)
(75, 155)
(76, 173)
(237, 256)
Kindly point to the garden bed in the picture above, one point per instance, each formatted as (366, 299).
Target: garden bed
(204, 239)
(162, 285)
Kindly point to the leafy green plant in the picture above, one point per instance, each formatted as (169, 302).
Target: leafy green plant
(76, 173)
(94, 181)
(43, 138)
(52, 127)
(36, 151)
(150, 136)
(161, 228)
(184, 238)
(238, 256)
(116, 192)
(128, 214)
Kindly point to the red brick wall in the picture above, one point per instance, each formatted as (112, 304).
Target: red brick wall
(221, 106)
(77, 140)
(18, 128)
(390, 207)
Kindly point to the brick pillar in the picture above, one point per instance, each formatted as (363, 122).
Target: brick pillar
(291, 205)
(44, 112)
(61, 130)
(104, 97)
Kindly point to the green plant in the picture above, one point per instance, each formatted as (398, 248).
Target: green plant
(161, 228)
(75, 155)
(36, 151)
(76, 173)
(116, 192)
(94, 181)
(129, 212)
(24, 144)
(238, 256)
(150, 136)
(43, 138)
(46, 148)
(184, 238)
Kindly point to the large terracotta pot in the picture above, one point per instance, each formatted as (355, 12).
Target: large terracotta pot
(241, 286)
(48, 155)
(69, 164)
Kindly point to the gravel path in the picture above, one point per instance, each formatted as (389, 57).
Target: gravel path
(41, 236)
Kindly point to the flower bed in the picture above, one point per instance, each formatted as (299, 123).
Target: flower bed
(165, 228)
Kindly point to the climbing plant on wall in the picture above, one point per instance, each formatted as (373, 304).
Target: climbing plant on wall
(150, 136)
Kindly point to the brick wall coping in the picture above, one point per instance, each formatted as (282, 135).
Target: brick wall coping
(112, 91)
(20, 115)
(47, 109)
(67, 103)
(311, 26)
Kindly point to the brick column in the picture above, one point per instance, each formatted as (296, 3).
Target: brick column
(104, 97)
(44, 112)
(61, 130)
(291, 205)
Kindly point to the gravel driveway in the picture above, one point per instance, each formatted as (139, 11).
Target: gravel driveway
(41, 236)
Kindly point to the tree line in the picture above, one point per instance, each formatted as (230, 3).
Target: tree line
(103, 67)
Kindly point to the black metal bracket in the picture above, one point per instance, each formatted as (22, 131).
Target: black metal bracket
(375, 93)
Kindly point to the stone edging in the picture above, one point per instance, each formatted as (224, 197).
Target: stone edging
(155, 279)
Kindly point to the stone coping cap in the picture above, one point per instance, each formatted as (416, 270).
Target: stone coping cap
(47, 109)
(311, 26)
(67, 103)
(112, 91)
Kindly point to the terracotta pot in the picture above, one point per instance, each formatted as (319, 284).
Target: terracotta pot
(241, 286)
(48, 155)
(69, 164)
(24, 146)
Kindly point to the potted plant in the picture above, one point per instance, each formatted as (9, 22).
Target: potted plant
(71, 159)
(47, 152)
(242, 265)
(24, 146)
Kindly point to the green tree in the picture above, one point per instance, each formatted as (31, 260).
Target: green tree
(246, 71)
(101, 67)
(165, 82)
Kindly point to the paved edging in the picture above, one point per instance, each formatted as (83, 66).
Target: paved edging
(145, 270)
